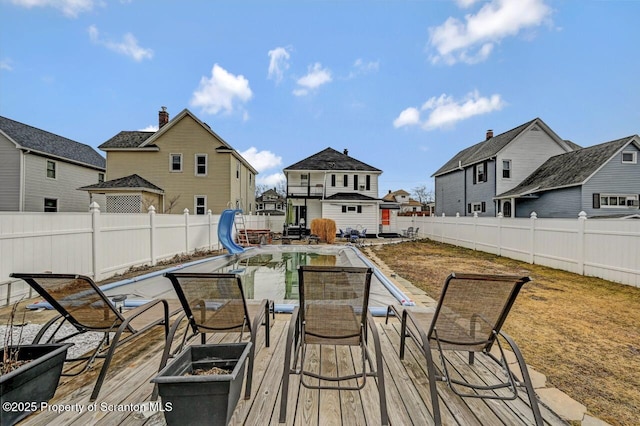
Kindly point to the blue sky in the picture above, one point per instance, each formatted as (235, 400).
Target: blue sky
(404, 85)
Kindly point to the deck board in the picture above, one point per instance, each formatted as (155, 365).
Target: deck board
(408, 397)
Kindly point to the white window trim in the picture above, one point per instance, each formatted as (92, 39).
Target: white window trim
(509, 169)
(479, 175)
(171, 155)
(633, 197)
(634, 157)
(476, 207)
(55, 169)
(206, 164)
(100, 174)
(195, 203)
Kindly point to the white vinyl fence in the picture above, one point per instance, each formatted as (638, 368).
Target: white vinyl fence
(101, 245)
(604, 248)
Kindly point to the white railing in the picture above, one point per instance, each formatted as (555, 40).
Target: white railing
(102, 245)
(604, 248)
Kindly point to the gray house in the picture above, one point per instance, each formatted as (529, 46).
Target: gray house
(469, 182)
(601, 180)
(41, 171)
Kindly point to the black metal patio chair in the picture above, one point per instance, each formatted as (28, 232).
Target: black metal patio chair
(81, 303)
(333, 311)
(215, 303)
(468, 317)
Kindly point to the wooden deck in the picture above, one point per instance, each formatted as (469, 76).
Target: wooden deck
(408, 397)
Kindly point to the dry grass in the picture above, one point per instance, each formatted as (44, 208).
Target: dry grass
(583, 333)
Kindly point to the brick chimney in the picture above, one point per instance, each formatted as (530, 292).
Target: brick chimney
(489, 134)
(346, 151)
(163, 117)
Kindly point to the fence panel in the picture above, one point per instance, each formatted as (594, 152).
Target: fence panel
(124, 241)
(612, 250)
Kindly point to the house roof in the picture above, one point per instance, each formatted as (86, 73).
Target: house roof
(126, 139)
(146, 140)
(569, 169)
(350, 196)
(330, 159)
(127, 183)
(43, 142)
(270, 193)
(490, 147)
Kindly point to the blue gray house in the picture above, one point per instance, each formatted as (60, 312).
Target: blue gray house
(470, 181)
(601, 180)
(41, 171)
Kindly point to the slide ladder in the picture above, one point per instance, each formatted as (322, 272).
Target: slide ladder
(225, 227)
(241, 229)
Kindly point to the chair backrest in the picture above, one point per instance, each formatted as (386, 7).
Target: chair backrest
(212, 301)
(472, 309)
(77, 298)
(333, 303)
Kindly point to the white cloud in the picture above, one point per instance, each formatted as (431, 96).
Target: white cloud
(361, 67)
(316, 77)
(6, 64)
(261, 160)
(272, 181)
(70, 8)
(473, 40)
(128, 46)
(408, 117)
(221, 92)
(150, 128)
(445, 111)
(278, 63)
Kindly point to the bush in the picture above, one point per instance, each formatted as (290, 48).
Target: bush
(325, 229)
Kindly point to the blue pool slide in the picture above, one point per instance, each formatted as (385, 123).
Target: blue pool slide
(225, 227)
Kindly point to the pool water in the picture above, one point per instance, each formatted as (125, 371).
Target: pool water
(269, 272)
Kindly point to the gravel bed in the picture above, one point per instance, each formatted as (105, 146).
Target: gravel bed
(24, 334)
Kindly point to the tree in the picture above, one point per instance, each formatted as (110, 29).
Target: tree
(422, 194)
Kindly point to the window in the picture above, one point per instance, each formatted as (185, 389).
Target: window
(100, 177)
(201, 204)
(477, 207)
(629, 157)
(506, 169)
(617, 201)
(368, 182)
(333, 180)
(175, 162)
(355, 182)
(238, 170)
(51, 169)
(345, 180)
(480, 173)
(50, 205)
(201, 164)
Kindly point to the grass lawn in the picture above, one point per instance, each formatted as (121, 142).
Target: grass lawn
(583, 333)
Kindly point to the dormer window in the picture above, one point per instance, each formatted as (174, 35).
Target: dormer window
(629, 157)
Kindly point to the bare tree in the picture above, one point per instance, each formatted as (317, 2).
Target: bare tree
(171, 203)
(422, 194)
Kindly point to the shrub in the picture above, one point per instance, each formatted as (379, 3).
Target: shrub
(325, 229)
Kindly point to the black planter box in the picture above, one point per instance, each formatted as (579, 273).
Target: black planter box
(203, 400)
(34, 382)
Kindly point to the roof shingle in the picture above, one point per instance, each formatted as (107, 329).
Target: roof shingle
(330, 159)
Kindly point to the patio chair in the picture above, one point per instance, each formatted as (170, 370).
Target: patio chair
(468, 317)
(333, 311)
(215, 303)
(81, 303)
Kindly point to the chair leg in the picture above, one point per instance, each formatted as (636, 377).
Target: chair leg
(286, 371)
(384, 416)
(107, 361)
(526, 379)
(167, 351)
(252, 355)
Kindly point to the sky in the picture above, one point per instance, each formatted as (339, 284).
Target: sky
(403, 85)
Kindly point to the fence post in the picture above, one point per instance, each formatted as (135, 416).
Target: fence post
(186, 230)
(210, 230)
(442, 229)
(94, 209)
(582, 218)
(152, 234)
(500, 216)
(532, 256)
(475, 230)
